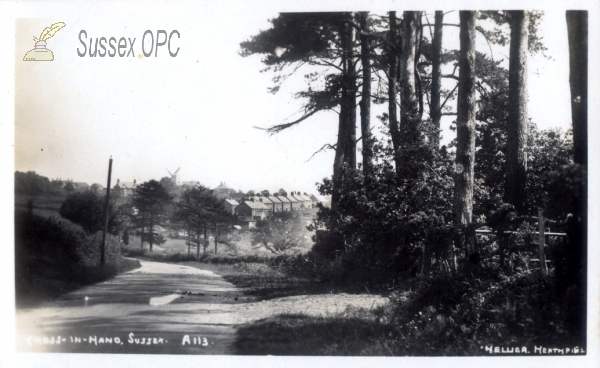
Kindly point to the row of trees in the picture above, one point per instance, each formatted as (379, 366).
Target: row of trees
(196, 211)
(349, 52)
(413, 203)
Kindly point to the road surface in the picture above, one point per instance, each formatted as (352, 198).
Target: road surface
(158, 308)
(162, 308)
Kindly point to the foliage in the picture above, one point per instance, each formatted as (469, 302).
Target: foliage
(195, 210)
(32, 184)
(125, 237)
(282, 232)
(151, 200)
(51, 258)
(383, 224)
(169, 185)
(69, 187)
(386, 228)
(87, 209)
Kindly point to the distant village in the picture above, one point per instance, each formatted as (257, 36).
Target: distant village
(248, 207)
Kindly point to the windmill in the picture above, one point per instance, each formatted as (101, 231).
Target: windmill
(174, 175)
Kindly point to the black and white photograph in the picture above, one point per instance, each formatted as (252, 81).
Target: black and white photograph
(200, 180)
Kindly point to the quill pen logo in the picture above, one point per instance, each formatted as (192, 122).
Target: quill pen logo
(40, 52)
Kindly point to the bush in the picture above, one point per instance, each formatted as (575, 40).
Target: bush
(87, 210)
(51, 259)
(455, 315)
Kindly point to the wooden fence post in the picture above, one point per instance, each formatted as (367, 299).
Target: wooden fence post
(542, 240)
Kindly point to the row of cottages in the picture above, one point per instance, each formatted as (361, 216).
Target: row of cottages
(77, 186)
(253, 208)
(124, 189)
(190, 184)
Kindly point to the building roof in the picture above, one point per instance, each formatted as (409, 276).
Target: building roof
(291, 198)
(232, 202)
(223, 185)
(81, 184)
(99, 185)
(255, 205)
(314, 199)
(305, 197)
(265, 200)
(246, 219)
(274, 199)
(128, 184)
(298, 197)
(283, 199)
(190, 183)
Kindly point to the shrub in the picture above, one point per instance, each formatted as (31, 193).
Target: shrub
(51, 258)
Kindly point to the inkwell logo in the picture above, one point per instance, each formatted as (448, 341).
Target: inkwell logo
(40, 52)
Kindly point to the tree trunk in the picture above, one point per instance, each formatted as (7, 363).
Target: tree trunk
(577, 26)
(436, 79)
(151, 231)
(409, 113)
(350, 94)
(142, 236)
(393, 89)
(517, 124)
(409, 102)
(198, 248)
(365, 103)
(465, 135)
(345, 154)
(215, 239)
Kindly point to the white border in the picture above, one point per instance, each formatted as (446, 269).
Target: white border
(8, 357)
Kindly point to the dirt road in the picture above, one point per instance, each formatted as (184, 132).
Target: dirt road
(160, 309)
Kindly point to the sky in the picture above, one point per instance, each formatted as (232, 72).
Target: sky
(198, 111)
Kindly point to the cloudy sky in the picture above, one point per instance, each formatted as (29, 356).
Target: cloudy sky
(197, 110)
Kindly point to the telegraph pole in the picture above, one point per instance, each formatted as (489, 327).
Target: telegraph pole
(102, 258)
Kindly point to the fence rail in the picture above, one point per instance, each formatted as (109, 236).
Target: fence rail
(512, 232)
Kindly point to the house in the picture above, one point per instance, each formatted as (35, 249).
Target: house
(314, 199)
(267, 202)
(223, 191)
(246, 222)
(230, 205)
(286, 204)
(80, 186)
(125, 189)
(250, 208)
(277, 204)
(295, 205)
(307, 201)
(99, 188)
(298, 197)
(190, 184)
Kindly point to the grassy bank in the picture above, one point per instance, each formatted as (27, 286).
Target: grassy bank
(51, 259)
(265, 277)
(439, 315)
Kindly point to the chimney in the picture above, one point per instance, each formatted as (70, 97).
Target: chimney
(133, 181)
(117, 181)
